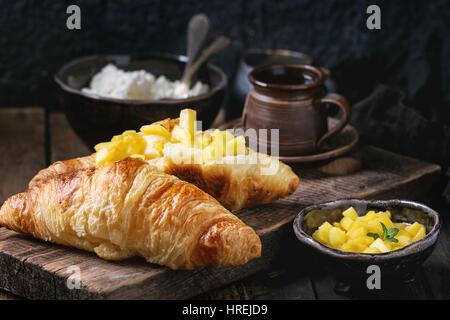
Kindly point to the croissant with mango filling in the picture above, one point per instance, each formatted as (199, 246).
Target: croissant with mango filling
(215, 161)
(131, 209)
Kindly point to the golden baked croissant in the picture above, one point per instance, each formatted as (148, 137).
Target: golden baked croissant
(131, 209)
(235, 184)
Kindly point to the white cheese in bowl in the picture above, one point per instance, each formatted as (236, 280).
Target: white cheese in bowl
(139, 85)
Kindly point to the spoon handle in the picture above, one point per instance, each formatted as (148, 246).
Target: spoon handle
(197, 29)
(218, 45)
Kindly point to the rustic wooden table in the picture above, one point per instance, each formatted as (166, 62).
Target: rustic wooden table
(30, 139)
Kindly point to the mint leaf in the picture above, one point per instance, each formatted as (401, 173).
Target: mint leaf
(392, 232)
(373, 235)
(384, 231)
(389, 234)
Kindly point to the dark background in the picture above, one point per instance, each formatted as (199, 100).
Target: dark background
(397, 78)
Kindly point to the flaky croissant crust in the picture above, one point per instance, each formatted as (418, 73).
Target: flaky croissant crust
(129, 209)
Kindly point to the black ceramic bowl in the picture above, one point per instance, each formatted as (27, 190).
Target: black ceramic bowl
(97, 119)
(348, 267)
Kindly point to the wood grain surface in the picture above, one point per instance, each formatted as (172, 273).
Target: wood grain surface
(22, 148)
(35, 269)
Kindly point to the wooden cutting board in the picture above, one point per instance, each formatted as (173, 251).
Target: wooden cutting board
(35, 269)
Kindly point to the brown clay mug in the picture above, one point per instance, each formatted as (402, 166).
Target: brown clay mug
(291, 98)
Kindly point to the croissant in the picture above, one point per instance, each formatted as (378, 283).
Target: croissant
(131, 209)
(235, 185)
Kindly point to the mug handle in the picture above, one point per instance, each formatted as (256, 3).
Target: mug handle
(343, 104)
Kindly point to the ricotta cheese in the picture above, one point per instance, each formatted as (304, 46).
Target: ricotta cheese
(139, 85)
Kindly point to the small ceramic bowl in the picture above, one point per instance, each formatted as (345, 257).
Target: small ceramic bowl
(95, 118)
(348, 267)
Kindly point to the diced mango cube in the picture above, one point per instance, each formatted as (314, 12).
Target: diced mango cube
(386, 214)
(371, 250)
(350, 213)
(240, 145)
(356, 232)
(403, 233)
(346, 223)
(155, 145)
(228, 136)
(202, 139)
(380, 245)
(352, 246)
(324, 231)
(399, 225)
(182, 135)
(116, 138)
(155, 129)
(316, 236)
(107, 155)
(386, 221)
(218, 142)
(236, 146)
(336, 236)
(413, 228)
(373, 226)
(420, 234)
(101, 145)
(187, 121)
(367, 217)
(209, 153)
(132, 142)
(403, 239)
(365, 240)
(230, 149)
(120, 147)
(102, 156)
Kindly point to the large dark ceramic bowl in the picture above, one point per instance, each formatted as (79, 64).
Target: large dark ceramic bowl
(401, 264)
(97, 119)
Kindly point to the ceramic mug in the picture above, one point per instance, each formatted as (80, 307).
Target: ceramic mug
(252, 58)
(291, 98)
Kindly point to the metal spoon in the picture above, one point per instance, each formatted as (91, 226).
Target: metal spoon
(197, 30)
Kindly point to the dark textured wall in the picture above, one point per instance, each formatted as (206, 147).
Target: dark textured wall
(397, 78)
(35, 42)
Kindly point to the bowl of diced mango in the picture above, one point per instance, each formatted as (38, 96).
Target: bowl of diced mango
(396, 235)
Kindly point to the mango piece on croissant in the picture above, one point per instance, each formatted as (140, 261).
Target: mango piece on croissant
(131, 209)
(120, 147)
(236, 146)
(202, 139)
(156, 129)
(209, 154)
(182, 135)
(187, 120)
